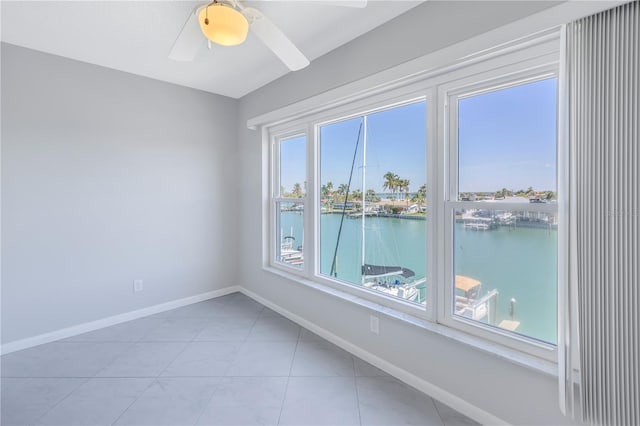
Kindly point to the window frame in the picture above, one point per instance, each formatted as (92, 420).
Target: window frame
(311, 126)
(410, 97)
(450, 93)
(532, 59)
(275, 196)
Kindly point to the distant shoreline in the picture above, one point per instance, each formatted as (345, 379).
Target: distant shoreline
(520, 224)
(357, 215)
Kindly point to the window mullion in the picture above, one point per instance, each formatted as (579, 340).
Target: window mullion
(440, 193)
(433, 171)
(274, 190)
(311, 205)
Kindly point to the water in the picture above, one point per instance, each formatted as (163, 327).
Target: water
(519, 262)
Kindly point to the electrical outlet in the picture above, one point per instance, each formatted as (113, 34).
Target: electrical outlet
(374, 324)
(138, 286)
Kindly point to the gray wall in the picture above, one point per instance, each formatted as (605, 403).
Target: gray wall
(513, 393)
(108, 177)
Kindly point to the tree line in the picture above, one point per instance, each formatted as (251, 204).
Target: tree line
(397, 186)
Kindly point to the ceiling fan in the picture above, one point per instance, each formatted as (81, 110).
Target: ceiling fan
(226, 22)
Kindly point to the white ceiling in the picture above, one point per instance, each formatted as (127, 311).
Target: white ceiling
(136, 37)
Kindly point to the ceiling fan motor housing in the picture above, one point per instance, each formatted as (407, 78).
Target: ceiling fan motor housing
(223, 24)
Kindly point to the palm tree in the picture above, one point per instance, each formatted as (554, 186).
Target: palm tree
(325, 190)
(390, 181)
(297, 190)
(403, 186)
(356, 195)
(371, 196)
(340, 192)
(421, 195)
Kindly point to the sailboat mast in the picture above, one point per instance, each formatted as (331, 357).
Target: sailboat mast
(364, 187)
(334, 263)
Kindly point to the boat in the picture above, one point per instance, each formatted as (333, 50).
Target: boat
(289, 254)
(477, 226)
(347, 205)
(392, 280)
(469, 303)
(478, 220)
(412, 209)
(506, 218)
(368, 212)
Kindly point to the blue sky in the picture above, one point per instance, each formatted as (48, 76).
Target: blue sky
(395, 143)
(292, 162)
(506, 139)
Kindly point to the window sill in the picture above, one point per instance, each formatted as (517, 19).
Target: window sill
(511, 355)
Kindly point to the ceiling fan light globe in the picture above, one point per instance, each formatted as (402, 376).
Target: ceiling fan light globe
(226, 26)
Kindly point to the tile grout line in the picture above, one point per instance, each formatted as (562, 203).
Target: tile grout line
(286, 389)
(433, 401)
(355, 381)
(245, 340)
(187, 342)
(217, 387)
(83, 380)
(129, 346)
(86, 379)
(219, 379)
(152, 381)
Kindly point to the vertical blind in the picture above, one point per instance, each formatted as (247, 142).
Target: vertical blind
(603, 64)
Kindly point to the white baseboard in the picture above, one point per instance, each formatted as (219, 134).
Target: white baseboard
(113, 320)
(422, 385)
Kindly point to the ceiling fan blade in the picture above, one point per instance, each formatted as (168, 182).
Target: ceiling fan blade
(189, 41)
(275, 39)
(346, 3)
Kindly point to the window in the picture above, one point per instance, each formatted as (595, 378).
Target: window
(373, 201)
(289, 198)
(438, 199)
(503, 206)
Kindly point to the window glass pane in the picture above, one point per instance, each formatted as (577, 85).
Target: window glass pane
(506, 270)
(507, 143)
(386, 164)
(293, 169)
(290, 234)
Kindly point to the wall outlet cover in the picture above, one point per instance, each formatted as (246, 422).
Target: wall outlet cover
(374, 324)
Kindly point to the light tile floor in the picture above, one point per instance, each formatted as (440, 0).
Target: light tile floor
(225, 361)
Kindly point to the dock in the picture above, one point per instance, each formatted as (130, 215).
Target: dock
(509, 325)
